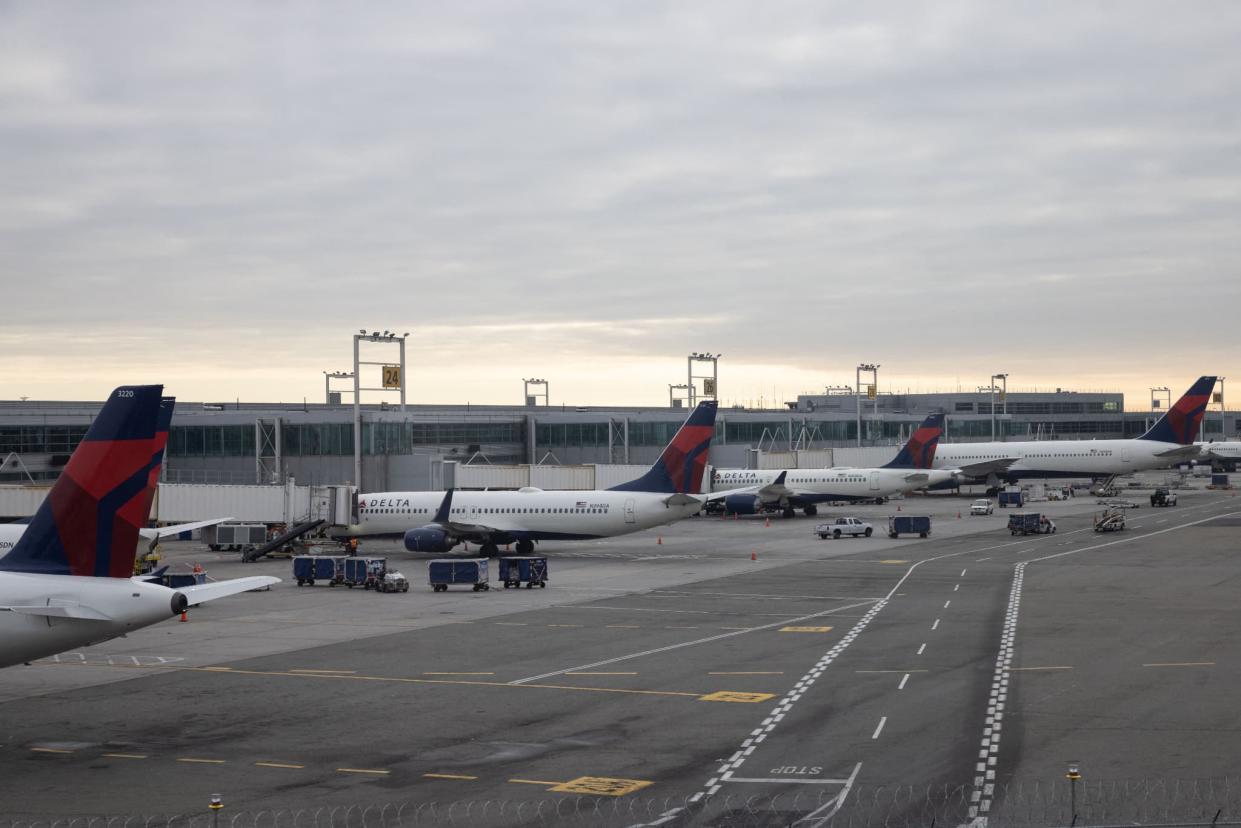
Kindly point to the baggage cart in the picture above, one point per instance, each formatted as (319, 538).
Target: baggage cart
(310, 568)
(1030, 523)
(909, 525)
(443, 572)
(367, 573)
(530, 570)
(1015, 499)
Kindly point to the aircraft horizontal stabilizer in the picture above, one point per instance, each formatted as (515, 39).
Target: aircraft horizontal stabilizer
(177, 528)
(1188, 452)
(917, 477)
(221, 589)
(77, 611)
(681, 500)
(987, 467)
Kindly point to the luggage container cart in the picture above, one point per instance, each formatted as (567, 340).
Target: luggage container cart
(909, 525)
(445, 571)
(367, 573)
(310, 568)
(523, 569)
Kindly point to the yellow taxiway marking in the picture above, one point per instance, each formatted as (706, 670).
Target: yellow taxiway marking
(806, 629)
(600, 674)
(601, 786)
(217, 669)
(1035, 669)
(51, 750)
(894, 562)
(458, 674)
(326, 672)
(289, 765)
(751, 673)
(542, 782)
(448, 776)
(192, 761)
(125, 755)
(371, 771)
(1181, 664)
(733, 696)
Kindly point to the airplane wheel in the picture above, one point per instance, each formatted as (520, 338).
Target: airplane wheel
(525, 547)
(810, 511)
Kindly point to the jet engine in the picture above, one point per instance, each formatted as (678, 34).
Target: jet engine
(742, 504)
(428, 539)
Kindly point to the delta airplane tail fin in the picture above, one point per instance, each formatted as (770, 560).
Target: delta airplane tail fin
(919, 452)
(88, 524)
(680, 468)
(1180, 423)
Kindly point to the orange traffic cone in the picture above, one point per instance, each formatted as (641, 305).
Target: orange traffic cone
(898, 507)
(183, 616)
(659, 540)
(754, 556)
(958, 515)
(767, 522)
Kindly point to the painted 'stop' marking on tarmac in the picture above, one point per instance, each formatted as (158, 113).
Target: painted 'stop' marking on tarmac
(695, 642)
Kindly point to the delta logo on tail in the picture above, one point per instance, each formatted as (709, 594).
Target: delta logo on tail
(94, 510)
(680, 468)
(1181, 422)
(919, 452)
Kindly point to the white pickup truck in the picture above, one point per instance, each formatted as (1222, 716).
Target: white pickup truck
(844, 526)
(982, 506)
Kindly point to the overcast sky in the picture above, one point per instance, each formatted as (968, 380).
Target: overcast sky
(217, 195)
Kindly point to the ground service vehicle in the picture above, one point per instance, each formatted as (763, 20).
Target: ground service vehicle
(909, 525)
(982, 506)
(1109, 520)
(1163, 496)
(364, 572)
(850, 526)
(444, 571)
(310, 568)
(528, 569)
(1030, 523)
(393, 582)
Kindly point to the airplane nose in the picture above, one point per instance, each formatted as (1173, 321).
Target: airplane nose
(179, 603)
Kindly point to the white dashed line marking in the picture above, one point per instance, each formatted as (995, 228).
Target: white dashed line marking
(946, 603)
(901, 686)
(935, 626)
(923, 647)
(883, 720)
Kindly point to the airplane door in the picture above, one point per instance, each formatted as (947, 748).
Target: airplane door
(471, 512)
(874, 481)
(1124, 456)
(629, 513)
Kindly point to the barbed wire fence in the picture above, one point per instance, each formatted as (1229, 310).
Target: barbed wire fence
(1038, 804)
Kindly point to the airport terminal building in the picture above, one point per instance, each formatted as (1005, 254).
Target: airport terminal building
(249, 443)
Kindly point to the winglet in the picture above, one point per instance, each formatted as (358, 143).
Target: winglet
(919, 452)
(88, 524)
(779, 481)
(445, 509)
(1180, 423)
(680, 468)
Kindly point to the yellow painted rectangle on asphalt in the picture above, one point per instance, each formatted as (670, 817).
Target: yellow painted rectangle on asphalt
(448, 776)
(733, 696)
(601, 786)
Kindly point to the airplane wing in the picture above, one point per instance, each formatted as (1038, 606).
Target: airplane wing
(219, 589)
(77, 612)
(987, 467)
(1186, 452)
(158, 532)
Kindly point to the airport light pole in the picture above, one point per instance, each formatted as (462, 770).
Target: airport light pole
(872, 392)
(532, 399)
(1074, 776)
(709, 381)
(393, 379)
(1003, 378)
(673, 399)
(328, 376)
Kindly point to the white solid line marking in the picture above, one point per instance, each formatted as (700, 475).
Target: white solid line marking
(923, 647)
(935, 626)
(901, 686)
(882, 721)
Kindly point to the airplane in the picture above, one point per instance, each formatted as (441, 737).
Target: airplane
(68, 582)
(1224, 454)
(436, 522)
(1168, 442)
(746, 492)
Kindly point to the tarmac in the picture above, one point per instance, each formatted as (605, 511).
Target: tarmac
(713, 672)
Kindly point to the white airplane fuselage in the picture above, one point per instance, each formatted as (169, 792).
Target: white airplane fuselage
(121, 605)
(531, 514)
(1060, 458)
(832, 484)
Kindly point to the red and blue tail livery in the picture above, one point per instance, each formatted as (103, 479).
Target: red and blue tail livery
(919, 452)
(1181, 422)
(88, 524)
(680, 468)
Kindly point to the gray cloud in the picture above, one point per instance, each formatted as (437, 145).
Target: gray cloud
(943, 183)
